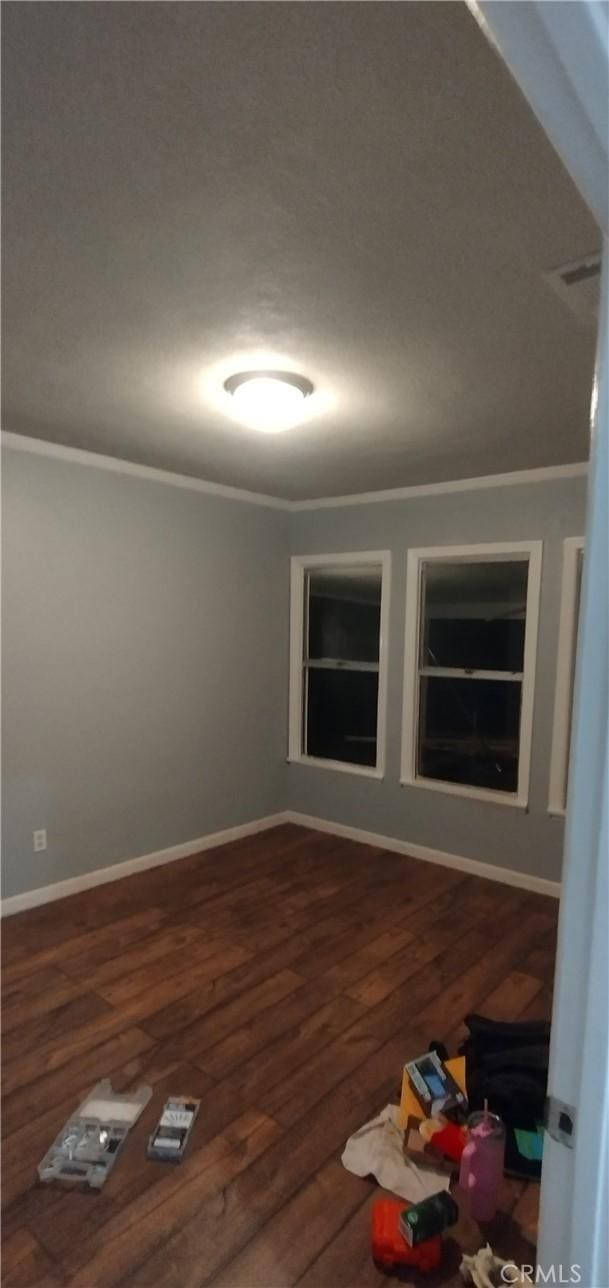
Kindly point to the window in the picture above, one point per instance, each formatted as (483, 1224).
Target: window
(338, 661)
(471, 638)
(565, 671)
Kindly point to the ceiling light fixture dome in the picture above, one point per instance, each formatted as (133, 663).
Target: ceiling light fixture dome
(268, 400)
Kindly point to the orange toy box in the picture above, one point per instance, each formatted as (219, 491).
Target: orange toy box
(409, 1105)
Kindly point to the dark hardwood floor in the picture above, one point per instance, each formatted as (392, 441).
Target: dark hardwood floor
(283, 979)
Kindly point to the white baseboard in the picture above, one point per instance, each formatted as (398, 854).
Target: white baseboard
(126, 868)
(473, 867)
(116, 871)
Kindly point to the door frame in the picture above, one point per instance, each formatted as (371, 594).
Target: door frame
(559, 56)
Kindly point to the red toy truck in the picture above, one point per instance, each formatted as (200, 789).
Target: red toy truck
(389, 1246)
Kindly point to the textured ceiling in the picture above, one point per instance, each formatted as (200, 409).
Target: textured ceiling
(354, 191)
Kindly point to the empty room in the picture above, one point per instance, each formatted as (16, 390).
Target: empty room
(304, 647)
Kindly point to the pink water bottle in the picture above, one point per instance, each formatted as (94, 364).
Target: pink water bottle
(482, 1159)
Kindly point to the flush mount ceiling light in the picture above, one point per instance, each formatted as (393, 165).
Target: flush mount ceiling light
(268, 400)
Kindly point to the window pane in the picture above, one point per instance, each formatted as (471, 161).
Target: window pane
(344, 613)
(468, 731)
(341, 709)
(474, 614)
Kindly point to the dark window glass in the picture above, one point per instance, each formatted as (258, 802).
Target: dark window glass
(474, 615)
(469, 731)
(341, 711)
(344, 613)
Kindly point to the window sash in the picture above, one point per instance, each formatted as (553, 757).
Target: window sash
(464, 673)
(301, 666)
(483, 744)
(336, 741)
(337, 664)
(414, 671)
(330, 664)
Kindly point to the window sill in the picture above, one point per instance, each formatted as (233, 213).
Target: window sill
(557, 811)
(473, 793)
(341, 766)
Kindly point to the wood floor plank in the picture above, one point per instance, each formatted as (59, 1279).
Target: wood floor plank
(50, 1030)
(540, 961)
(86, 1216)
(284, 979)
(377, 950)
(508, 1001)
(22, 1010)
(167, 977)
(104, 916)
(61, 1051)
(22, 988)
(402, 890)
(284, 1247)
(526, 1213)
(404, 1009)
(398, 908)
(36, 1270)
(540, 1008)
(195, 1251)
(262, 875)
(511, 997)
(204, 1033)
(170, 1019)
(23, 1150)
(372, 966)
(241, 1043)
(46, 1088)
(58, 1049)
(166, 940)
(16, 1247)
(289, 1101)
(109, 939)
(282, 1059)
(128, 1241)
(468, 989)
(382, 979)
(345, 1252)
(267, 929)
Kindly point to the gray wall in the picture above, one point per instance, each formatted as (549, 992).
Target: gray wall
(144, 661)
(145, 667)
(528, 842)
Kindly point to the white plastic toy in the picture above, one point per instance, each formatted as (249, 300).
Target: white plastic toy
(479, 1268)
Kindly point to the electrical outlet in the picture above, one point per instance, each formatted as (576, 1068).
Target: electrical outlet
(40, 840)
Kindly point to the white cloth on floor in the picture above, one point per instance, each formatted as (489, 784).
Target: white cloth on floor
(377, 1149)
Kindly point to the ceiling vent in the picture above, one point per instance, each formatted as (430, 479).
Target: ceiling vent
(578, 285)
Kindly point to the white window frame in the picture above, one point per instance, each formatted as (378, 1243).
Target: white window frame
(564, 684)
(530, 550)
(299, 566)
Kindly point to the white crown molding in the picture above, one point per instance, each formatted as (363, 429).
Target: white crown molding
(116, 871)
(473, 867)
(542, 474)
(78, 456)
